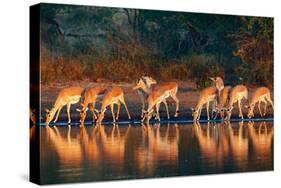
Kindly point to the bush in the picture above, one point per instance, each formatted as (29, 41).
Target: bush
(259, 73)
(202, 67)
(62, 69)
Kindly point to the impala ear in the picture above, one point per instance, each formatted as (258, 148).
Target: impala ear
(192, 109)
(47, 110)
(247, 106)
(213, 79)
(97, 111)
(78, 110)
(86, 109)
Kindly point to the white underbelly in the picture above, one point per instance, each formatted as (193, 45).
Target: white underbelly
(74, 99)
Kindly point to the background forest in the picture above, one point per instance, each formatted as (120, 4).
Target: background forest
(118, 44)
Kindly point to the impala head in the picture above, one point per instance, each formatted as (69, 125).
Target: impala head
(82, 112)
(228, 111)
(49, 115)
(100, 115)
(250, 110)
(218, 82)
(194, 113)
(145, 81)
(222, 112)
(139, 85)
(148, 115)
(149, 80)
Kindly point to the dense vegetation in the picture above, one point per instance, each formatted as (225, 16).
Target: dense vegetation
(79, 42)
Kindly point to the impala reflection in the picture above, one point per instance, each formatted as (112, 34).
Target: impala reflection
(158, 144)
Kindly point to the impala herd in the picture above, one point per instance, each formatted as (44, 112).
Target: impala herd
(221, 98)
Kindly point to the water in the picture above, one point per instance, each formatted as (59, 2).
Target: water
(128, 152)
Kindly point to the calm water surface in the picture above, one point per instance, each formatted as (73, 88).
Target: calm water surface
(121, 152)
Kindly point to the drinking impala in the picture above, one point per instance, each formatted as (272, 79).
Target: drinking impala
(237, 94)
(66, 97)
(262, 94)
(207, 95)
(111, 97)
(222, 102)
(158, 95)
(90, 97)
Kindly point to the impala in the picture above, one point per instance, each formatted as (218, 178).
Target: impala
(144, 88)
(207, 95)
(158, 95)
(262, 94)
(90, 97)
(111, 97)
(237, 94)
(67, 96)
(222, 102)
(218, 83)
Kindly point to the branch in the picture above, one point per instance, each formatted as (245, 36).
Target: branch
(75, 35)
(128, 15)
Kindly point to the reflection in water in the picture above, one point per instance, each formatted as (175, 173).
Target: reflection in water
(157, 145)
(213, 143)
(119, 152)
(239, 145)
(262, 140)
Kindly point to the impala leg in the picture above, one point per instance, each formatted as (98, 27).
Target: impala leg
(199, 113)
(175, 98)
(229, 115)
(112, 112)
(216, 115)
(157, 111)
(259, 106)
(142, 109)
(124, 103)
(143, 118)
(214, 104)
(265, 107)
(240, 109)
(270, 101)
(68, 112)
(93, 110)
(207, 108)
(57, 115)
(118, 110)
(167, 110)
